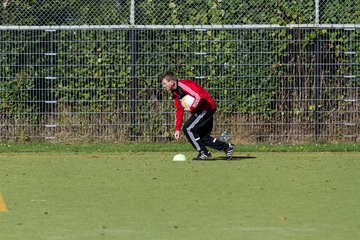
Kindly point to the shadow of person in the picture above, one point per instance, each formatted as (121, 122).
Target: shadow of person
(233, 158)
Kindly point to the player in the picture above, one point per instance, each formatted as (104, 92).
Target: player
(198, 127)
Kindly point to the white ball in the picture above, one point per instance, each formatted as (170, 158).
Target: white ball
(187, 101)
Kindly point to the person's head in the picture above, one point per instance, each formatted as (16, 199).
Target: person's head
(169, 80)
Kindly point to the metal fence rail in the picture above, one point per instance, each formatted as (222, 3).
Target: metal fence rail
(271, 85)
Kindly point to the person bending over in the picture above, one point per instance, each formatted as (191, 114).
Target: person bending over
(198, 127)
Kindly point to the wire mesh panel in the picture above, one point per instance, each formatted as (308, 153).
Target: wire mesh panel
(287, 85)
(64, 84)
(176, 12)
(60, 12)
(339, 11)
(280, 71)
(270, 85)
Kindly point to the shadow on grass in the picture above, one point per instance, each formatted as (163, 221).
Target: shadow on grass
(234, 158)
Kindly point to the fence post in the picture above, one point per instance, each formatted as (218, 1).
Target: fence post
(132, 13)
(317, 72)
(317, 12)
(317, 85)
(133, 90)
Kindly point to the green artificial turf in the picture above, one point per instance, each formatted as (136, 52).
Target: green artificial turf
(173, 147)
(145, 195)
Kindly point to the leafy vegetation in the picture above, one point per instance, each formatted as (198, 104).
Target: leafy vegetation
(105, 82)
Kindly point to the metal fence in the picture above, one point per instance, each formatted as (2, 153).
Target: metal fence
(280, 71)
(177, 12)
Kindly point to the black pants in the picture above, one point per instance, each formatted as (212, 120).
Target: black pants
(197, 130)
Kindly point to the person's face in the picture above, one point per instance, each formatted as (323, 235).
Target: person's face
(168, 85)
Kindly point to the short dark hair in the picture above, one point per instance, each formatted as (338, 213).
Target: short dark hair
(169, 76)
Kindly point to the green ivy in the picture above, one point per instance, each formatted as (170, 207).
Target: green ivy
(264, 72)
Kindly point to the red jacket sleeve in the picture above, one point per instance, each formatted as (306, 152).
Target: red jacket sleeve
(179, 112)
(194, 90)
(197, 101)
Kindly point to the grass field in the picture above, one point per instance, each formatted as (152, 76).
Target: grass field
(98, 194)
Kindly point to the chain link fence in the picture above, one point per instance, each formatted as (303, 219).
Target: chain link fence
(280, 71)
(178, 12)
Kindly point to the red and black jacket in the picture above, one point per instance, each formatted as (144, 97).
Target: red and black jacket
(203, 100)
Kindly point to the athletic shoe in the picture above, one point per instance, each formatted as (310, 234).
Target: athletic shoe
(229, 151)
(203, 155)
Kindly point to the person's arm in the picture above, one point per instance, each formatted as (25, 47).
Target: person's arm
(196, 103)
(179, 112)
(194, 90)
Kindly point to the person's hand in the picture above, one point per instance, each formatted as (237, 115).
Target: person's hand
(187, 109)
(177, 135)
